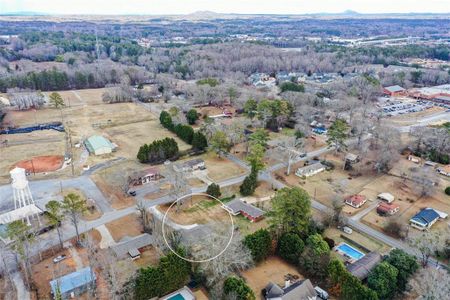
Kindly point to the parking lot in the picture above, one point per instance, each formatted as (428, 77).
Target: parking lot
(398, 106)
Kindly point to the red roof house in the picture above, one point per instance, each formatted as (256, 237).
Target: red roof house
(356, 201)
(387, 209)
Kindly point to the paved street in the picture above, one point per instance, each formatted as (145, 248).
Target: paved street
(45, 190)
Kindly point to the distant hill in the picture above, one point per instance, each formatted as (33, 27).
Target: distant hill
(23, 13)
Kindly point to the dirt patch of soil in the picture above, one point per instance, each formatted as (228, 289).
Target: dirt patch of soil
(126, 226)
(40, 164)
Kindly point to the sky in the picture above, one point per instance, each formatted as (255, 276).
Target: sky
(156, 7)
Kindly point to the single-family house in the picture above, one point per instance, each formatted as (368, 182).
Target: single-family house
(73, 284)
(445, 170)
(362, 267)
(356, 201)
(99, 145)
(191, 165)
(424, 219)
(249, 211)
(414, 159)
(430, 163)
(300, 290)
(387, 209)
(386, 197)
(144, 176)
(310, 170)
(184, 293)
(129, 247)
(394, 90)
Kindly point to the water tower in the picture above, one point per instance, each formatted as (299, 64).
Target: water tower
(23, 200)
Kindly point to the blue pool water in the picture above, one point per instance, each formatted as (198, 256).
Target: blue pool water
(177, 297)
(350, 251)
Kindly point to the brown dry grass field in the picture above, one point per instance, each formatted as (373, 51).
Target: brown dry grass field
(126, 226)
(51, 143)
(221, 168)
(149, 257)
(197, 210)
(273, 270)
(125, 124)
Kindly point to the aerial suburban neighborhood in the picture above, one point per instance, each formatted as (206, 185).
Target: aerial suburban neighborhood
(182, 154)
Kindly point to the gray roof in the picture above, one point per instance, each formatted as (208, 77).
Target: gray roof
(96, 142)
(300, 290)
(122, 248)
(191, 163)
(362, 267)
(312, 167)
(238, 205)
(394, 88)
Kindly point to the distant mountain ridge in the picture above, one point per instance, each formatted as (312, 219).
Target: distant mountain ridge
(23, 13)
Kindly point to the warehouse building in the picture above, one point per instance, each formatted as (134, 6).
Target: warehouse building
(99, 145)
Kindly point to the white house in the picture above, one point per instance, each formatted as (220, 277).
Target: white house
(386, 197)
(310, 170)
(424, 219)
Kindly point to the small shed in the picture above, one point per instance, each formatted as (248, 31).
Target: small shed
(73, 284)
(99, 145)
(386, 197)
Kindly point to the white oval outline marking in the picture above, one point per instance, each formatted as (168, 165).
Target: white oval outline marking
(191, 260)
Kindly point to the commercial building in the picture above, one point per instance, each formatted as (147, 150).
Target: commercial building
(394, 90)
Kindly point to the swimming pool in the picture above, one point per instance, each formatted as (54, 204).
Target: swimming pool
(350, 251)
(176, 297)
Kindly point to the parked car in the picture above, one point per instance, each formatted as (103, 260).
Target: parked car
(59, 258)
(321, 293)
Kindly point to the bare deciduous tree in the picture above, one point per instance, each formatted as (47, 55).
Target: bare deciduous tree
(430, 284)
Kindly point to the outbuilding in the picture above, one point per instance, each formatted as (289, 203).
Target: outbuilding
(99, 145)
